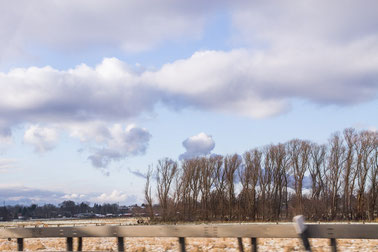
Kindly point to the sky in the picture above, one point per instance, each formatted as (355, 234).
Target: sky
(93, 92)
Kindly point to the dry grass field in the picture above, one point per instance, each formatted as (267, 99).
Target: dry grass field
(169, 244)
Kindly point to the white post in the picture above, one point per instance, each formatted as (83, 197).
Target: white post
(301, 229)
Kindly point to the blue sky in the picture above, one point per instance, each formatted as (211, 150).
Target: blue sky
(93, 92)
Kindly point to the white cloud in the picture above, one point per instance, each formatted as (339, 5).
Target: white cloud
(134, 25)
(88, 131)
(305, 23)
(42, 138)
(113, 197)
(322, 52)
(73, 196)
(198, 145)
(105, 142)
(19, 194)
(118, 143)
(246, 82)
(138, 25)
(13, 194)
(318, 50)
(109, 91)
(219, 81)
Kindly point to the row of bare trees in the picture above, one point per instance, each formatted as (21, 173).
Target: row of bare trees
(333, 181)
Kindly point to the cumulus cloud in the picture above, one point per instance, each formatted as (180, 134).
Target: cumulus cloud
(43, 139)
(108, 91)
(105, 142)
(119, 143)
(245, 82)
(114, 197)
(218, 81)
(88, 131)
(73, 196)
(198, 145)
(260, 84)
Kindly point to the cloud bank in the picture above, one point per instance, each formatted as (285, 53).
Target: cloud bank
(16, 194)
(132, 26)
(249, 83)
(317, 51)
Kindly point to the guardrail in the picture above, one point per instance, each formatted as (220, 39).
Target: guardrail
(239, 231)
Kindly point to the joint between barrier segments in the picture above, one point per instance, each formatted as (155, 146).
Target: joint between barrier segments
(302, 231)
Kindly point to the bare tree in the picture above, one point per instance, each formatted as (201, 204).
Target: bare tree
(343, 177)
(281, 163)
(365, 148)
(231, 164)
(185, 190)
(194, 171)
(335, 165)
(246, 196)
(252, 162)
(207, 169)
(318, 163)
(265, 183)
(299, 151)
(350, 137)
(373, 192)
(218, 197)
(179, 196)
(276, 163)
(147, 193)
(166, 170)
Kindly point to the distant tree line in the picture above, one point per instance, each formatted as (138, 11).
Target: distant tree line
(267, 183)
(65, 209)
